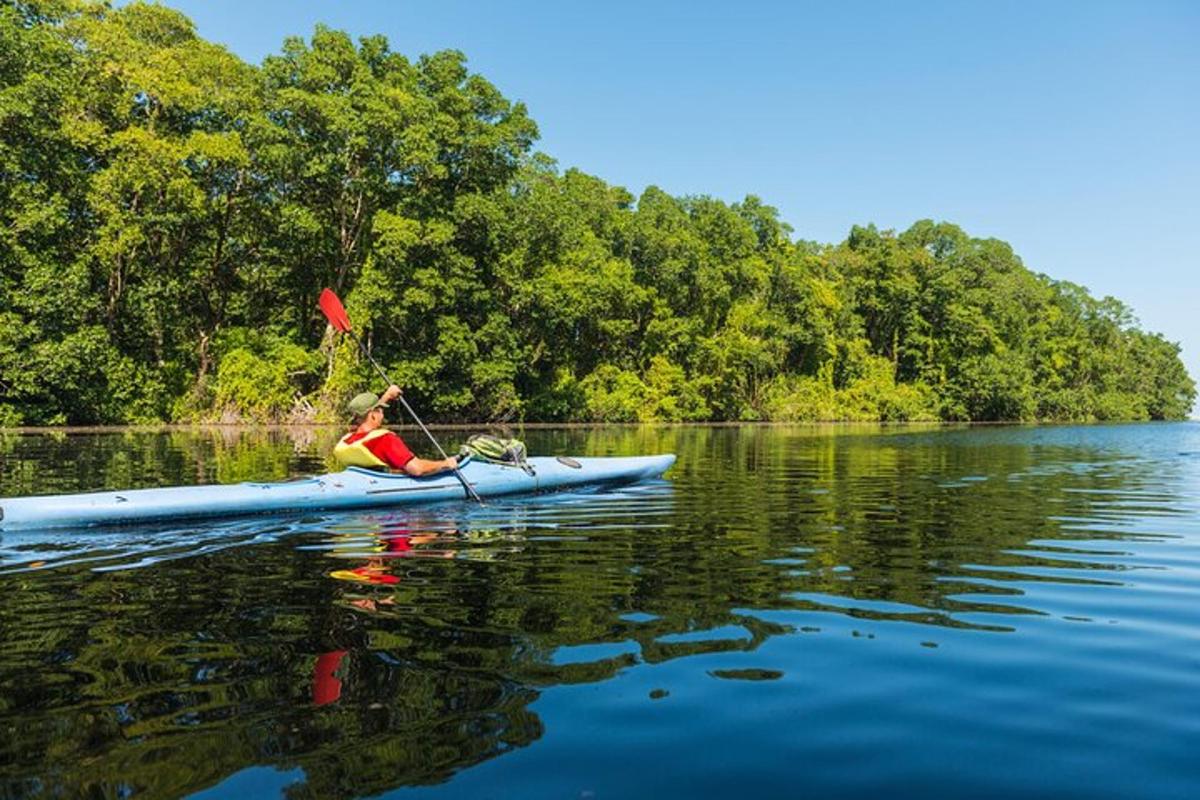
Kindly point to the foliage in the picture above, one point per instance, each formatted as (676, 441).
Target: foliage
(257, 377)
(160, 200)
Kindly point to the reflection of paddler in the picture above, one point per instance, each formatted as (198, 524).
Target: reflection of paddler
(392, 542)
(390, 536)
(402, 544)
(399, 539)
(372, 572)
(368, 603)
(326, 686)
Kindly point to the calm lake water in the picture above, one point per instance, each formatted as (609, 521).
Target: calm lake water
(824, 612)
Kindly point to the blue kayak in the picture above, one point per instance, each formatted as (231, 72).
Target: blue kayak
(353, 488)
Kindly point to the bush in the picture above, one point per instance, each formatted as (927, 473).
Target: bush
(10, 416)
(872, 395)
(564, 400)
(800, 399)
(613, 395)
(1112, 405)
(670, 396)
(262, 378)
(909, 402)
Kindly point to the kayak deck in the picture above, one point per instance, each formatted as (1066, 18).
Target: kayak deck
(352, 488)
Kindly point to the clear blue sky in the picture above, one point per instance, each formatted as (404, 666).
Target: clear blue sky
(1069, 129)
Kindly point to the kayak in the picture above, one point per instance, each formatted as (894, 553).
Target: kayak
(352, 488)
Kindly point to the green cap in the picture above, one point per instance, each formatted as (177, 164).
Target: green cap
(363, 403)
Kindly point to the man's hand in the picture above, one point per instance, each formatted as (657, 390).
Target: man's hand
(391, 394)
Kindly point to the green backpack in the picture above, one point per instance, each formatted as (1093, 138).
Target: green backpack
(498, 450)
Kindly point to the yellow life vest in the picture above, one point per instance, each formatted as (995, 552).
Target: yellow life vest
(356, 454)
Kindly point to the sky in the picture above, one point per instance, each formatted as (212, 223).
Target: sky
(1069, 129)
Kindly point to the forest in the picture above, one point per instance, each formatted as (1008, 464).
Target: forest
(169, 215)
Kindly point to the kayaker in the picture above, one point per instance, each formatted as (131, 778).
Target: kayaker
(369, 444)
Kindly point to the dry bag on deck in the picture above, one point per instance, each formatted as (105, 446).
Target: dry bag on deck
(496, 449)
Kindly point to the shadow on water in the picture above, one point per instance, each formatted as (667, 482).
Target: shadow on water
(358, 653)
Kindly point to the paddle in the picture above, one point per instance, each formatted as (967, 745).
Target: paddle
(335, 312)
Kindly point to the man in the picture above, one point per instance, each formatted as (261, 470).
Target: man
(369, 444)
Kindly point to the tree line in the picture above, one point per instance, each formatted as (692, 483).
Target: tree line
(170, 213)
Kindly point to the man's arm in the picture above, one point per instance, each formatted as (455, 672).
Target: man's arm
(424, 466)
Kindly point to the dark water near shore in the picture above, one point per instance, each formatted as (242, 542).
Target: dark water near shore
(821, 612)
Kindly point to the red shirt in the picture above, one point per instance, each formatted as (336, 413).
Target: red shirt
(389, 448)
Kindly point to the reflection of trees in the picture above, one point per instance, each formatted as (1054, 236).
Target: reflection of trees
(925, 525)
(169, 679)
(57, 462)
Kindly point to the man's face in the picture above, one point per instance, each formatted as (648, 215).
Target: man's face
(376, 415)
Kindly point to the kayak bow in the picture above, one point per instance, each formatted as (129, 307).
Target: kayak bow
(353, 488)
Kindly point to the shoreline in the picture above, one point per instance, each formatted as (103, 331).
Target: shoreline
(484, 426)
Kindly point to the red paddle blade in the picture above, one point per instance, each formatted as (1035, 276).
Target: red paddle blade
(334, 311)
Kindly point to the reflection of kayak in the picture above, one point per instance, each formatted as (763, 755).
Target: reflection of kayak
(354, 488)
(366, 574)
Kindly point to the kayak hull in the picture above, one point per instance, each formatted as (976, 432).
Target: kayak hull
(353, 488)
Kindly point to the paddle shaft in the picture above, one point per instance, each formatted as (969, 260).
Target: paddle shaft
(466, 485)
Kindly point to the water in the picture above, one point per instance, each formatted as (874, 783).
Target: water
(845, 611)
